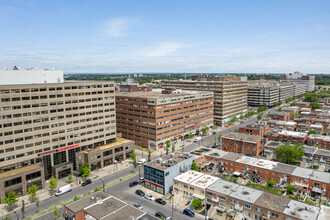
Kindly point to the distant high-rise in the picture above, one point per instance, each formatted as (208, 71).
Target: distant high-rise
(300, 78)
(230, 94)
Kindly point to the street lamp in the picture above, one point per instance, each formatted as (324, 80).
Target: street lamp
(103, 185)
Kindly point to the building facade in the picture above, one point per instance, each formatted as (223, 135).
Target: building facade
(152, 118)
(230, 94)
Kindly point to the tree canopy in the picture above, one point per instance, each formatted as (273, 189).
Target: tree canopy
(32, 191)
(84, 170)
(289, 154)
(10, 199)
(52, 182)
(194, 166)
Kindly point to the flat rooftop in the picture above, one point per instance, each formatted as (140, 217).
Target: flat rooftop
(316, 136)
(127, 212)
(157, 94)
(301, 210)
(284, 168)
(273, 144)
(321, 176)
(324, 213)
(231, 156)
(246, 194)
(169, 160)
(266, 164)
(223, 187)
(20, 170)
(293, 133)
(254, 126)
(84, 202)
(272, 202)
(119, 141)
(189, 176)
(247, 160)
(204, 181)
(245, 137)
(217, 153)
(107, 206)
(279, 113)
(317, 126)
(302, 172)
(323, 152)
(309, 149)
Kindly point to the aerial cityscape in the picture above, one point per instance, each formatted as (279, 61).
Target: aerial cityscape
(146, 110)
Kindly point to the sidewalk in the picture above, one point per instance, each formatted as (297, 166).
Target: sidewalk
(44, 193)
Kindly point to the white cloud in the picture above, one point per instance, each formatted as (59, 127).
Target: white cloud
(162, 49)
(118, 27)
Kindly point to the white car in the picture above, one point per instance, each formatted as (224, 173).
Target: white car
(142, 161)
(139, 206)
(150, 197)
(197, 139)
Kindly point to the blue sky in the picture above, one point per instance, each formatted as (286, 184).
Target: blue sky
(166, 36)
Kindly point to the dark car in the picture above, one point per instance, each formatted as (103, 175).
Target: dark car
(160, 215)
(160, 201)
(86, 182)
(188, 212)
(134, 183)
(214, 133)
(139, 192)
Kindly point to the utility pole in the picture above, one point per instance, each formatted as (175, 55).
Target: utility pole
(103, 185)
(172, 203)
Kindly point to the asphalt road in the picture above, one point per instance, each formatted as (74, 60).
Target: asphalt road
(118, 190)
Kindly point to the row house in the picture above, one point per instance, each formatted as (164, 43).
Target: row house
(320, 140)
(305, 110)
(305, 120)
(324, 115)
(321, 157)
(324, 122)
(254, 129)
(293, 110)
(282, 116)
(318, 128)
(272, 136)
(287, 125)
(293, 136)
(302, 127)
(309, 114)
(302, 104)
(242, 143)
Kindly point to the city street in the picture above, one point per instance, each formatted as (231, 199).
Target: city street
(119, 190)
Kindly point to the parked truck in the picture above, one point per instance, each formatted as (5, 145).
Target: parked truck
(63, 189)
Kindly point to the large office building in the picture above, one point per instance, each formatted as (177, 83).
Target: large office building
(44, 124)
(300, 78)
(153, 117)
(230, 94)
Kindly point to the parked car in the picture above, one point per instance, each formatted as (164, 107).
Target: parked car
(139, 192)
(141, 179)
(197, 139)
(86, 182)
(150, 197)
(63, 189)
(160, 201)
(142, 161)
(160, 215)
(134, 183)
(188, 212)
(214, 133)
(139, 206)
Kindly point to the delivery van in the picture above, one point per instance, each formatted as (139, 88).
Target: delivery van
(63, 189)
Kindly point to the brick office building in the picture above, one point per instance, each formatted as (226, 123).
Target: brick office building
(282, 116)
(154, 117)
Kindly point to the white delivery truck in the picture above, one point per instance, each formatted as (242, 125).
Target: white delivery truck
(63, 189)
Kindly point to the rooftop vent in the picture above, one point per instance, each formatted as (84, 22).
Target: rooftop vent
(245, 193)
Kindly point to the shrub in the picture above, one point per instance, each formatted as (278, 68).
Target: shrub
(197, 204)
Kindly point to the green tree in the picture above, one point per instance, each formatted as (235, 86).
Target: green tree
(190, 135)
(197, 204)
(86, 171)
(289, 154)
(315, 105)
(194, 166)
(241, 117)
(271, 182)
(7, 217)
(32, 191)
(262, 109)
(149, 156)
(167, 147)
(56, 213)
(312, 132)
(219, 138)
(233, 119)
(236, 130)
(83, 168)
(10, 199)
(276, 139)
(52, 183)
(205, 130)
(259, 117)
(214, 127)
(70, 179)
(290, 189)
(173, 147)
(133, 158)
